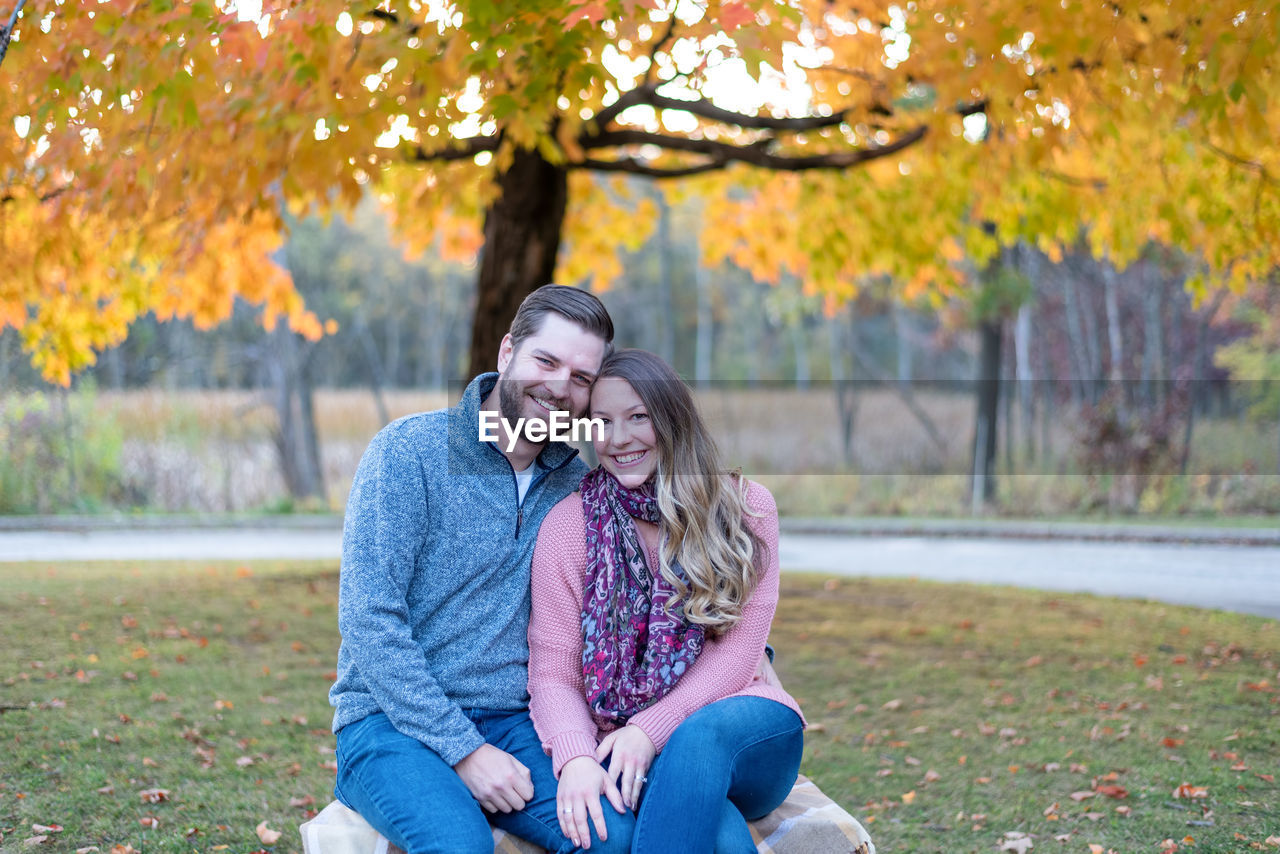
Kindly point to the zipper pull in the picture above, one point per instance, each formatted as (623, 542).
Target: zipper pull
(519, 518)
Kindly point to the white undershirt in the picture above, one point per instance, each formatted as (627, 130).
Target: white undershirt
(523, 479)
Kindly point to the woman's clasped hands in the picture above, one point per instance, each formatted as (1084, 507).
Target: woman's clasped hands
(584, 779)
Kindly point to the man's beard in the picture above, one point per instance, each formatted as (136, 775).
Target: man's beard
(511, 396)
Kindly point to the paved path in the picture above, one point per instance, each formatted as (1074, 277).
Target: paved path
(1230, 577)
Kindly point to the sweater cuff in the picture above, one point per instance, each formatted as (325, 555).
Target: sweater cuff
(658, 723)
(458, 750)
(570, 745)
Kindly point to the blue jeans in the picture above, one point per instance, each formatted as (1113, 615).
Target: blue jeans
(416, 799)
(730, 762)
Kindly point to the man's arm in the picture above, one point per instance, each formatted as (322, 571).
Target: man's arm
(385, 529)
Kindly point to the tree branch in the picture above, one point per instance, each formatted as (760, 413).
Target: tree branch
(467, 149)
(703, 108)
(1241, 161)
(639, 167)
(6, 31)
(755, 153)
(632, 98)
(392, 18)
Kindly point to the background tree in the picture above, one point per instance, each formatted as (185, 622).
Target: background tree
(148, 137)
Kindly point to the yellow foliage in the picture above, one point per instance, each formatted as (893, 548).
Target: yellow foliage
(148, 150)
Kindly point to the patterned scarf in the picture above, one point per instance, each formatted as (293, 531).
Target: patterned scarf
(633, 650)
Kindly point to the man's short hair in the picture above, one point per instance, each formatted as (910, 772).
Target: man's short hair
(573, 304)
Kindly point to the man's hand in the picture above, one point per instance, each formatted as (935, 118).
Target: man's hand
(633, 752)
(582, 781)
(496, 779)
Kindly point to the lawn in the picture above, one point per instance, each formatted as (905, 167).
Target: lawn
(182, 707)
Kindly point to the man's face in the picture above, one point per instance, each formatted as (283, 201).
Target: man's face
(552, 369)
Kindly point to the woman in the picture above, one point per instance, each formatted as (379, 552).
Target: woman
(653, 590)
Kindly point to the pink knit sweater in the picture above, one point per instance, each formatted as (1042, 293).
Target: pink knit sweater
(726, 666)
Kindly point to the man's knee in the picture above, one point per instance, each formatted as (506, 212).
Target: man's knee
(464, 837)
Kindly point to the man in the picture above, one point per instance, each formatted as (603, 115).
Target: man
(434, 738)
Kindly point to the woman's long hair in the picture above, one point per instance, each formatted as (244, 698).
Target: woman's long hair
(702, 506)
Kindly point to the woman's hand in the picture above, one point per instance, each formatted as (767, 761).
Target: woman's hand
(633, 753)
(582, 781)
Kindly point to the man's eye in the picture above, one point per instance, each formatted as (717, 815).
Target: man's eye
(581, 380)
(543, 360)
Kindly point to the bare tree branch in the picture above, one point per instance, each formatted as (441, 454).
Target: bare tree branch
(631, 98)
(639, 167)
(703, 108)
(6, 32)
(392, 18)
(1251, 165)
(467, 149)
(755, 153)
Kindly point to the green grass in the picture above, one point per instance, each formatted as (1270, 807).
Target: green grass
(984, 707)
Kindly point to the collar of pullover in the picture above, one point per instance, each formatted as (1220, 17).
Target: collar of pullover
(464, 429)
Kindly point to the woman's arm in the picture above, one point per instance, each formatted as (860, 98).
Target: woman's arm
(557, 700)
(728, 664)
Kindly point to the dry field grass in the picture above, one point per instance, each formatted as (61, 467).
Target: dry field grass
(212, 451)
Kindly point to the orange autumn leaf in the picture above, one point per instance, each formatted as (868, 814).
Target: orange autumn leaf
(1186, 790)
(266, 834)
(1113, 791)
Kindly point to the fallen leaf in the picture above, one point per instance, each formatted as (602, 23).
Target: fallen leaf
(154, 796)
(1113, 791)
(149, 821)
(46, 828)
(1173, 742)
(1124, 810)
(908, 797)
(892, 705)
(266, 834)
(932, 776)
(1017, 842)
(1050, 767)
(89, 850)
(244, 761)
(1080, 796)
(33, 841)
(1094, 848)
(1186, 790)
(304, 801)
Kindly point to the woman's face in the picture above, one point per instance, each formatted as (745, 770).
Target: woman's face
(628, 449)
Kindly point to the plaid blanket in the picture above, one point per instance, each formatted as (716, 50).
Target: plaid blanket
(808, 822)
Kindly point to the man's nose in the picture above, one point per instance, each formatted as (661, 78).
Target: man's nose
(557, 382)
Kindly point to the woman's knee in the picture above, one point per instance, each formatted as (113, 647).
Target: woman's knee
(620, 827)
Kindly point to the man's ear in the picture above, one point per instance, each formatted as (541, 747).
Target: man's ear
(506, 350)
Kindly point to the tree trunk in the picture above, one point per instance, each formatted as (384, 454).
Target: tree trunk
(800, 343)
(522, 231)
(702, 341)
(1115, 341)
(1075, 336)
(295, 437)
(1153, 366)
(1025, 375)
(664, 306)
(988, 410)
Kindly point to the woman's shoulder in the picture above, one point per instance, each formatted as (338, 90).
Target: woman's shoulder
(759, 499)
(565, 516)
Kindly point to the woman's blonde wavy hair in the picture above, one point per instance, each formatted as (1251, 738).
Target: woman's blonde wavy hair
(702, 506)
